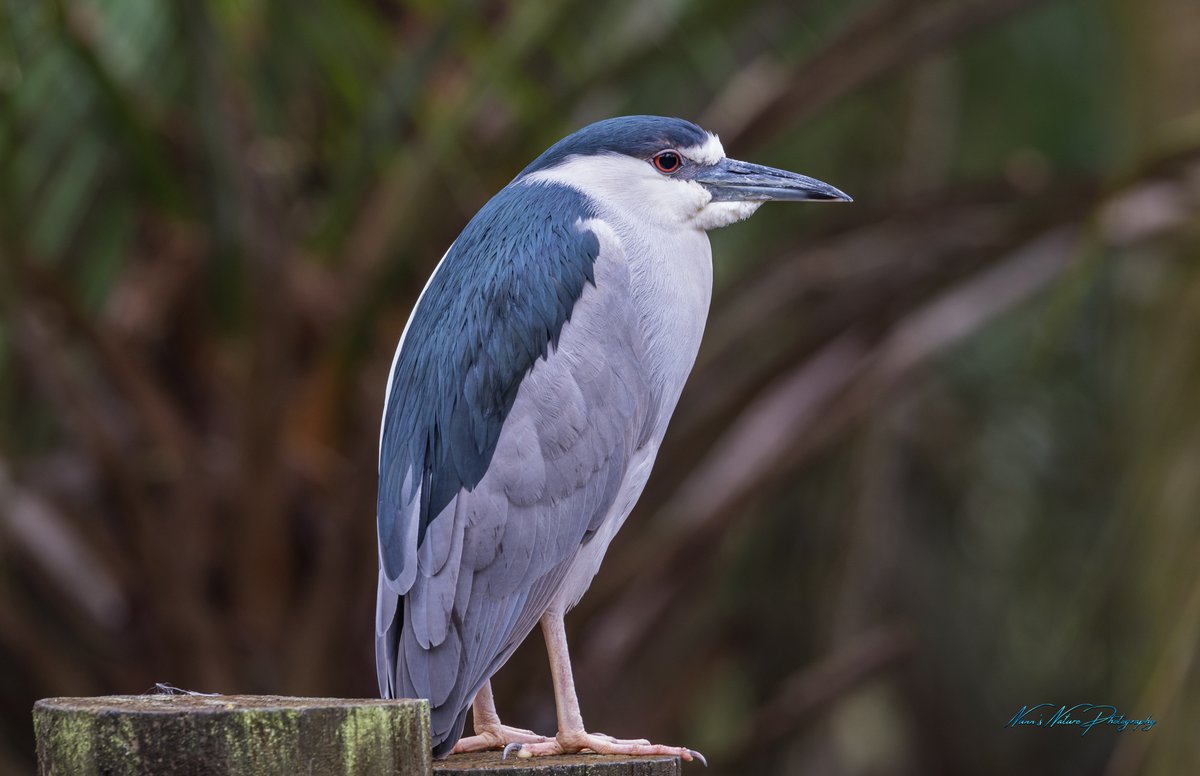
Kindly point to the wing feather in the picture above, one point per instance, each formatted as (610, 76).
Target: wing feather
(495, 306)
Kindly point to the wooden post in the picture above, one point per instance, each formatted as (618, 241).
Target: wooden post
(490, 764)
(238, 735)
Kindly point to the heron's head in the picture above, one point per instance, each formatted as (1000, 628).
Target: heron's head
(669, 171)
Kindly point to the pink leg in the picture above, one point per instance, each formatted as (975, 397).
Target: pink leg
(572, 737)
(489, 733)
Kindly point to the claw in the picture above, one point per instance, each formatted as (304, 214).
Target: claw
(514, 747)
(699, 757)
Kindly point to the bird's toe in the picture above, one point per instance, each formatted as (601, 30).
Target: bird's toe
(539, 749)
(621, 741)
(497, 737)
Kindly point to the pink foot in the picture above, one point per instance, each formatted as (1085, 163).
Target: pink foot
(573, 743)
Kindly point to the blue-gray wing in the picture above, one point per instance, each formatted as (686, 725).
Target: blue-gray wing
(495, 305)
(484, 567)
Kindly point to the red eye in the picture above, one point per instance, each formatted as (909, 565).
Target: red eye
(667, 162)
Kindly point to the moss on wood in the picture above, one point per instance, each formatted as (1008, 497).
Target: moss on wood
(233, 734)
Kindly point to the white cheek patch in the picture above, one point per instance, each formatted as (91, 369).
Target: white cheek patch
(633, 187)
(708, 152)
(628, 184)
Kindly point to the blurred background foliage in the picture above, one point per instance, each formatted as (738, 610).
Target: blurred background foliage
(939, 458)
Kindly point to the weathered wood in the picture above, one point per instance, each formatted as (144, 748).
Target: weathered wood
(238, 735)
(489, 764)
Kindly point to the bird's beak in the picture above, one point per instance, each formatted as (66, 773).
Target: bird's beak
(732, 181)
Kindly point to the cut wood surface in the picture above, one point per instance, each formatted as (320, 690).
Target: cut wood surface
(563, 765)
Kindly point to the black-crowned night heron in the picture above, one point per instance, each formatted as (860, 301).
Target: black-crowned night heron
(526, 402)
